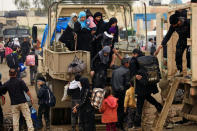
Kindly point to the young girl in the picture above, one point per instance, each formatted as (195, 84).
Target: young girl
(109, 110)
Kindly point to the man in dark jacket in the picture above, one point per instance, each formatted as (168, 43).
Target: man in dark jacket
(33, 69)
(181, 25)
(16, 88)
(120, 83)
(25, 48)
(43, 107)
(143, 88)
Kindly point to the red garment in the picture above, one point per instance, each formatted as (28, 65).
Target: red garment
(109, 110)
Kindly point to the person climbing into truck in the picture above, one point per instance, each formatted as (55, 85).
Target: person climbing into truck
(99, 66)
(144, 88)
(181, 25)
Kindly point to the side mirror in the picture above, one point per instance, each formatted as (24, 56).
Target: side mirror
(34, 34)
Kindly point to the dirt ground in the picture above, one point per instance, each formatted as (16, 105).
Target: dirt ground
(150, 111)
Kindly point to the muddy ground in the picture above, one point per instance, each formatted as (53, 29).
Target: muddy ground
(150, 110)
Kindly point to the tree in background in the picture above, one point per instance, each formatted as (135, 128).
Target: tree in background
(22, 4)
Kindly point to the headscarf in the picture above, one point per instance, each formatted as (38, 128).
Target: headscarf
(71, 23)
(83, 23)
(96, 15)
(112, 21)
(104, 59)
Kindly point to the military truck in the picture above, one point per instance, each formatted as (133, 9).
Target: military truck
(55, 60)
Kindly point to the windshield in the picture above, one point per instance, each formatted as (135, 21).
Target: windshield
(16, 32)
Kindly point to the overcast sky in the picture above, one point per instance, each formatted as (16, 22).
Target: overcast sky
(9, 4)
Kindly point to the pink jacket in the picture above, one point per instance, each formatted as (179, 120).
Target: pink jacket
(109, 110)
(90, 22)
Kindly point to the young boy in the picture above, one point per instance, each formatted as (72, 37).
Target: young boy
(130, 105)
(43, 107)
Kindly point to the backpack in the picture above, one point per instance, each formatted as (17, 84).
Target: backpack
(51, 100)
(97, 97)
(150, 65)
(11, 60)
(30, 60)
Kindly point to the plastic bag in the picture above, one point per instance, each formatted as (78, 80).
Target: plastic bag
(76, 66)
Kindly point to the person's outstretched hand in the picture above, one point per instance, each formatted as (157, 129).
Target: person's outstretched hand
(158, 50)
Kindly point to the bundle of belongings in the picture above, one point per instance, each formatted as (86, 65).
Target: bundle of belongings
(97, 97)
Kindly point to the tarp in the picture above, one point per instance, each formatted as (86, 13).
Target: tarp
(61, 25)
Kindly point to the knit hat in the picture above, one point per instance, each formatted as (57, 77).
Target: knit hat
(112, 30)
(174, 19)
(41, 78)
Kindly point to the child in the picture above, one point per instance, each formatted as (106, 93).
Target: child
(130, 105)
(90, 21)
(109, 110)
(43, 107)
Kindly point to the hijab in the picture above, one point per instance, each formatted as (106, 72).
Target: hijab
(96, 15)
(71, 23)
(104, 59)
(83, 23)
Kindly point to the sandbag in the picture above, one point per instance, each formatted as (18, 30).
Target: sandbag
(97, 97)
(150, 64)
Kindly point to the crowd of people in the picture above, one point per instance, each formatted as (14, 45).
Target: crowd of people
(130, 86)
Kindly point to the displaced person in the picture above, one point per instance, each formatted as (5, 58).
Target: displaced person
(85, 109)
(83, 33)
(43, 109)
(130, 105)
(112, 25)
(109, 110)
(90, 21)
(33, 69)
(16, 88)
(150, 44)
(25, 48)
(143, 88)
(120, 83)
(2, 52)
(68, 36)
(74, 90)
(99, 66)
(96, 44)
(182, 26)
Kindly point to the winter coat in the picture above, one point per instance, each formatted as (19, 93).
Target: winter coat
(97, 65)
(130, 98)
(25, 47)
(116, 35)
(68, 38)
(42, 95)
(83, 37)
(120, 79)
(109, 110)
